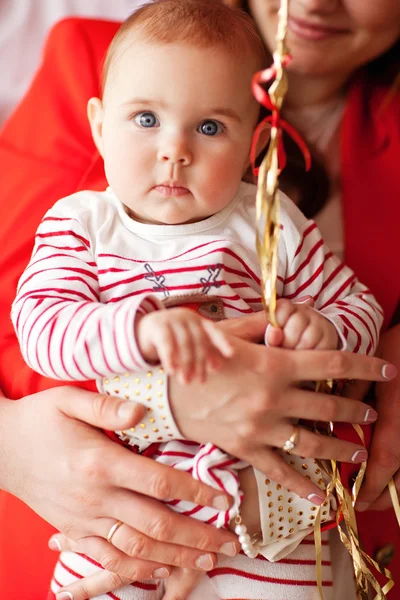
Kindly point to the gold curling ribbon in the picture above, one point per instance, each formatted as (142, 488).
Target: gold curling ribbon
(267, 199)
(267, 238)
(361, 560)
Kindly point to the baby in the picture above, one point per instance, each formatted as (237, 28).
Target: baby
(122, 280)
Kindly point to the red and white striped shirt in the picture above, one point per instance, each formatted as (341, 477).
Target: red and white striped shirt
(93, 269)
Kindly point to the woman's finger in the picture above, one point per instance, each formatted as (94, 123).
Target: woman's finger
(100, 410)
(111, 558)
(144, 475)
(318, 365)
(273, 466)
(92, 586)
(135, 544)
(167, 535)
(313, 406)
(314, 445)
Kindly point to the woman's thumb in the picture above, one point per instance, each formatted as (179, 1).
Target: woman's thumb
(99, 410)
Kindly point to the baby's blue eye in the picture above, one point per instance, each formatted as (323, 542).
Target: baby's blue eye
(146, 119)
(210, 128)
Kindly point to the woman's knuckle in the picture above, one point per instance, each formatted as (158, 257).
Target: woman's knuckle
(331, 409)
(313, 447)
(160, 529)
(115, 581)
(159, 487)
(137, 546)
(205, 542)
(338, 364)
(277, 473)
(111, 562)
(247, 429)
(101, 404)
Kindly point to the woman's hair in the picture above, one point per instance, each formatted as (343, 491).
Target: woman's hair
(311, 189)
(199, 23)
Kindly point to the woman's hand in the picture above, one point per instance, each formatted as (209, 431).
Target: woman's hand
(249, 406)
(384, 459)
(55, 459)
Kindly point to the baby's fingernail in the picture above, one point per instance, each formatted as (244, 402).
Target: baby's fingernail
(370, 416)
(204, 562)
(359, 456)
(64, 596)
(221, 503)
(389, 371)
(54, 544)
(316, 499)
(161, 573)
(229, 549)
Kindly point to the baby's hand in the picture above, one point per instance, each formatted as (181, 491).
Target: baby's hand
(185, 343)
(301, 328)
(180, 583)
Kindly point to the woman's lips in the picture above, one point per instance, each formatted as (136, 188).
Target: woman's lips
(311, 31)
(171, 190)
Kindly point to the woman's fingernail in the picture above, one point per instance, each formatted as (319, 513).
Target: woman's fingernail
(361, 506)
(204, 562)
(389, 371)
(370, 416)
(161, 573)
(229, 549)
(316, 499)
(64, 596)
(359, 456)
(54, 544)
(221, 503)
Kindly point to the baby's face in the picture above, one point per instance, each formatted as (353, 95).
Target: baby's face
(176, 128)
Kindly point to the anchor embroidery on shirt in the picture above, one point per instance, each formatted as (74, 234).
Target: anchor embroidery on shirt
(211, 281)
(157, 280)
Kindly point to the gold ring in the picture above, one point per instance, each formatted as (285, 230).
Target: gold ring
(113, 529)
(292, 442)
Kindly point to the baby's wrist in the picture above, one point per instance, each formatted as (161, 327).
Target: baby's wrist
(143, 340)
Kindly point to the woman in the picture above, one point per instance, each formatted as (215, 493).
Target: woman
(45, 157)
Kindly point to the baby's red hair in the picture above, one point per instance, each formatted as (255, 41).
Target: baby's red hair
(200, 23)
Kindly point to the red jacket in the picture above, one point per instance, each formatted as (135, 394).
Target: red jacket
(46, 152)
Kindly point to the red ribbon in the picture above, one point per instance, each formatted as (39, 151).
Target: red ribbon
(274, 119)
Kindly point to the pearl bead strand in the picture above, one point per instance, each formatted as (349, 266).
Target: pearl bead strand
(250, 548)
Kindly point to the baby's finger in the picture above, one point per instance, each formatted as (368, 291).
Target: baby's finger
(311, 338)
(294, 329)
(284, 309)
(186, 351)
(273, 336)
(167, 349)
(218, 339)
(202, 349)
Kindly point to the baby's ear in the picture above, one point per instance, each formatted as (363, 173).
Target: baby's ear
(95, 116)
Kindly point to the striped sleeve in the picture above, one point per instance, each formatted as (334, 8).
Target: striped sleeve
(314, 270)
(63, 329)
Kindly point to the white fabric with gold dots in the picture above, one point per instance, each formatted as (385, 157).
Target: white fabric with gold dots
(150, 388)
(286, 519)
